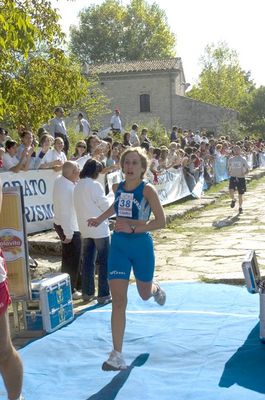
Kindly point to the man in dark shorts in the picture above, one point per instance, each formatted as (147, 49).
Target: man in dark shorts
(11, 367)
(237, 169)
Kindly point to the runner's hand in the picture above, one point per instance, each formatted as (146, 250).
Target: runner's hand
(122, 226)
(92, 222)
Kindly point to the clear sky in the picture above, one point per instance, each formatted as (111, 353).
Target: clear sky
(197, 23)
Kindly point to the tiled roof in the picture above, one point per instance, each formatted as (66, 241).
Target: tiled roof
(136, 66)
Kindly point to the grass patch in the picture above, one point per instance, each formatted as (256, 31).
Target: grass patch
(217, 187)
(255, 182)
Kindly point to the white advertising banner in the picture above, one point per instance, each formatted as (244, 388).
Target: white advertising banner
(37, 188)
(171, 185)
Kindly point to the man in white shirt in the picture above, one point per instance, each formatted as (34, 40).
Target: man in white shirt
(57, 127)
(115, 122)
(83, 125)
(65, 223)
(237, 169)
(10, 363)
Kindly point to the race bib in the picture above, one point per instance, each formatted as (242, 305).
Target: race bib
(125, 205)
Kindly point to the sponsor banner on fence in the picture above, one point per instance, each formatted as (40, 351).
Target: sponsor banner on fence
(171, 185)
(37, 188)
(220, 169)
(199, 187)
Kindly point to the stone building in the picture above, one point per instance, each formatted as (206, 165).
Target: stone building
(155, 89)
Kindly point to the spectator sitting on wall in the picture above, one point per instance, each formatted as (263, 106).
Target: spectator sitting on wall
(10, 160)
(134, 139)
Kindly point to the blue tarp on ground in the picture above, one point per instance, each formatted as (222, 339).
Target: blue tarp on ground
(203, 344)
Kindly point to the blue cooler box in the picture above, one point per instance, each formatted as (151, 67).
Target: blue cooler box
(53, 292)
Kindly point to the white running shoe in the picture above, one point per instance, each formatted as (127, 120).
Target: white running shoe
(115, 362)
(160, 295)
(76, 295)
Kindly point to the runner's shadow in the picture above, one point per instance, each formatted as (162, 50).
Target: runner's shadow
(226, 222)
(246, 367)
(110, 391)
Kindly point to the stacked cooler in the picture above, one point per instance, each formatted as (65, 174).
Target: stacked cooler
(255, 285)
(51, 306)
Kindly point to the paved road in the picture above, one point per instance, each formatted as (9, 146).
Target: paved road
(212, 244)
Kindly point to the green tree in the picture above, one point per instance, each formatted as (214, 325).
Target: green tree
(36, 74)
(222, 81)
(253, 112)
(111, 32)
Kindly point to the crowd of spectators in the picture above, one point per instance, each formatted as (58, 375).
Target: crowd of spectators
(195, 152)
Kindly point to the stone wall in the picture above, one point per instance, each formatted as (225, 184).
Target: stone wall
(167, 99)
(193, 114)
(124, 92)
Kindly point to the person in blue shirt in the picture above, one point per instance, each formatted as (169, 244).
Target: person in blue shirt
(131, 245)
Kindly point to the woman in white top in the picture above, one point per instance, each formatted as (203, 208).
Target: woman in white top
(90, 201)
(10, 160)
(46, 141)
(54, 158)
